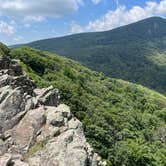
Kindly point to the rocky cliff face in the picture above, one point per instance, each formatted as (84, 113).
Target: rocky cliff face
(35, 129)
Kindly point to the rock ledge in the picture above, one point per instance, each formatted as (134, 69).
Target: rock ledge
(35, 129)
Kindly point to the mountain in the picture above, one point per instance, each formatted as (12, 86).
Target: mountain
(124, 122)
(136, 52)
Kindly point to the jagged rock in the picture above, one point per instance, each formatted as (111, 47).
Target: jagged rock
(11, 103)
(26, 85)
(4, 62)
(47, 96)
(24, 133)
(4, 79)
(35, 129)
(8, 160)
(5, 160)
(16, 94)
(13, 121)
(55, 117)
(69, 147)
(3, 147)
(19, 163)
(15, 69)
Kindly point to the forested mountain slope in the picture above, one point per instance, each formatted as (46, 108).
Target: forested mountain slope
(124, 122)
(136, 52)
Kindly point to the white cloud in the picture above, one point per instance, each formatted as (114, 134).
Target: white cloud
(6, 28)
(122, 16)
(37, 10)
(34, 18)
(27, 25)
(75, 28)
(18, 38)
(96, 1)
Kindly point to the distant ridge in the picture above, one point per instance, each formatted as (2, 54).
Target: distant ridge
(135, 52)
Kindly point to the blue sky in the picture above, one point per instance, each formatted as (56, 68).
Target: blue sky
(22, 21)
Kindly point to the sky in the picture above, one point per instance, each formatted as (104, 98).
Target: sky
(22, 21)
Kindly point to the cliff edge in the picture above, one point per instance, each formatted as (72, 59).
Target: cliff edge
(35, 128)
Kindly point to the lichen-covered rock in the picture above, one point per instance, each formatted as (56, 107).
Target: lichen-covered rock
(35, 130)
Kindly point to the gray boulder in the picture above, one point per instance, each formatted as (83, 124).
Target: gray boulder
(35, 129)
(47, 96)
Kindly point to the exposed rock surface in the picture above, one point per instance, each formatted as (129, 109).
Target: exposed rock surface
(35, 129)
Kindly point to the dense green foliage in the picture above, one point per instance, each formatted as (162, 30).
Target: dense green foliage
(127, 52)
(4, 50)
(124, 122)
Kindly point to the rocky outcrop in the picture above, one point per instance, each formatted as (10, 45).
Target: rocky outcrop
(35, 129)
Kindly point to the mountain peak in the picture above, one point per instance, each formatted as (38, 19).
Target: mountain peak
(152, 23)
(155, 18)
